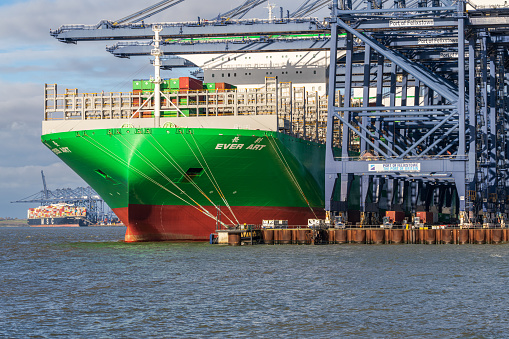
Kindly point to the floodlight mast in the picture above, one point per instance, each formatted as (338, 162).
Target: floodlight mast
(156, 53)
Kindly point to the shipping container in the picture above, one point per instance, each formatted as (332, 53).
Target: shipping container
(174, 84)
(184, 101)
(168, 114)
(147, 85)
(137, 84)
(395, 216)
(190, 83)
(426, 217)
(188, 111)
(210, 86)
(222, 85)
(165, 84)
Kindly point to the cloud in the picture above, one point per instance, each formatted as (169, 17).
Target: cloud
(57, 174)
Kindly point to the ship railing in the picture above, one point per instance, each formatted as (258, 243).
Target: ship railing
(304, 112)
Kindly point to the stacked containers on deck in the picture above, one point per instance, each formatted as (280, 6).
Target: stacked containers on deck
(56, 211)
(219, 86)
(169, 87)
(183, 85)
(136, 92)
(188, 84)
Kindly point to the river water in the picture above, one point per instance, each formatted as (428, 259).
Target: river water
(87, 283)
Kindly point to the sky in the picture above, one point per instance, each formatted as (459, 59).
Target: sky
(30, 57)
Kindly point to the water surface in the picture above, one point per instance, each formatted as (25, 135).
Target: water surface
(86, 282)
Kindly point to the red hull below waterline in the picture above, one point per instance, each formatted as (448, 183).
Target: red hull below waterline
(186, 223)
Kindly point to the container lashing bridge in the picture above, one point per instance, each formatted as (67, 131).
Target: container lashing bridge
(423, 117)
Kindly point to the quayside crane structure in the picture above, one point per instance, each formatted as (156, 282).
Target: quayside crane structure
(80, 197)
(430, 131)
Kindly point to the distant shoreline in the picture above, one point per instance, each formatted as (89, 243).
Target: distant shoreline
(14, 223)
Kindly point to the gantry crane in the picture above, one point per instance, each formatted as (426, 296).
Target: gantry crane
(80, 196)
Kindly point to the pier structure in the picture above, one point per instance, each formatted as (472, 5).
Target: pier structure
(365, 235)
(429, 132)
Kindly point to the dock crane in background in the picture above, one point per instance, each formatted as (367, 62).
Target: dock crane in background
(80, 196)
(452, 134)
(45, 188)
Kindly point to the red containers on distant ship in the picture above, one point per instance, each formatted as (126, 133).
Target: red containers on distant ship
(395, 216)
(190, 83)
(426, 217)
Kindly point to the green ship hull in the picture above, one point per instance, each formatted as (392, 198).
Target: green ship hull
(182, 183)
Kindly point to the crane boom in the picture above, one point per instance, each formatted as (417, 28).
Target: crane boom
(45, 192)
(241, 10)
(236, 27)
(149, 11)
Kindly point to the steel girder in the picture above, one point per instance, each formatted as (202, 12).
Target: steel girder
(442, 138)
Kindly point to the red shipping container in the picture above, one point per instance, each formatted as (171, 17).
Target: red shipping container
(426, 217)
(395, 216)
(190, 83)
(223, 85)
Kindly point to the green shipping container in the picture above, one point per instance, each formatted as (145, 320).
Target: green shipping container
(168, 114)
(147, 85)
(165, 84)
(188, 111)
(174, 83)
(210, 86)
(137, 84)
(184, 101)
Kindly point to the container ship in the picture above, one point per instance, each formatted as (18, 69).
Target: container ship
(177, 158)
(58, 215)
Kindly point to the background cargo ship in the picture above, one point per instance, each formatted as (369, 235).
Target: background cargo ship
(58, 215)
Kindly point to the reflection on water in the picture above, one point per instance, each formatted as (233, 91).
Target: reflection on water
(86, 282)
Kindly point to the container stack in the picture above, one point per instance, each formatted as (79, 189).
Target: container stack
(56, 211)
(181, 91)
(218, 86)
